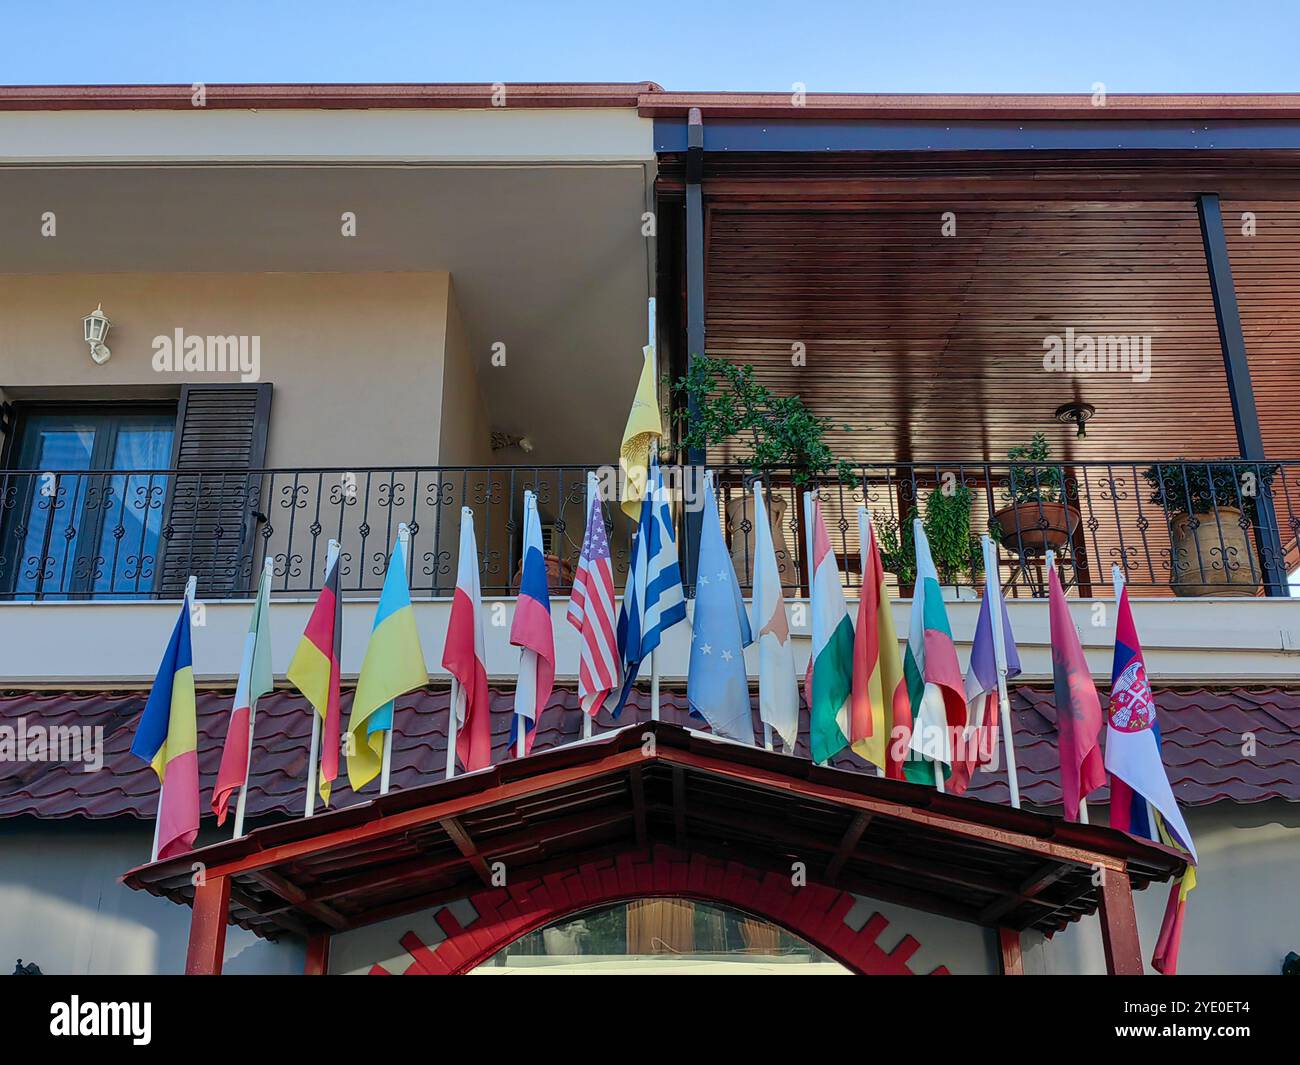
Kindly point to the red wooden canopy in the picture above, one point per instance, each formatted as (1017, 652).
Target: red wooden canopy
(652, 785)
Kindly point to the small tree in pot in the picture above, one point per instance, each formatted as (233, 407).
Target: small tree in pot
(1037, 518)
(1211, 507)
(771, 432)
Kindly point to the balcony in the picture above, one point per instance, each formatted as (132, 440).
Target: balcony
(1221, 528)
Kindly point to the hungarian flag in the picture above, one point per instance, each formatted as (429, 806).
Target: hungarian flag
(166, 738)
(315, 671)
(531, 632)
(828, 683)
(1078, 710)
(879, 700)
(255, 680)
(935, 689)
(463, 656)
(1137, 772)
(393, 666)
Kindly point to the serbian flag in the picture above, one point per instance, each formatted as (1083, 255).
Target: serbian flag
(879, 697)
(166, 738)
(315, 671)
(531, 632)
(1078, 710)
(255, 680)
(463, 658)
(393, 666)
(935, 689)
(828, 684)
(1137, 772)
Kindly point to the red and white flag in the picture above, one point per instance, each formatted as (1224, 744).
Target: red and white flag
(463, 657)
(255, 680)
(591, 611)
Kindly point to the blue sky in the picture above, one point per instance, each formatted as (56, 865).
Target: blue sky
(857, 45)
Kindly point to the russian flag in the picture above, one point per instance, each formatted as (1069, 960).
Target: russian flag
(531, 632)
(166, 738)
(463, 656)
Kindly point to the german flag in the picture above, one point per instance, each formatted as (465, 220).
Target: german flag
(315, 671)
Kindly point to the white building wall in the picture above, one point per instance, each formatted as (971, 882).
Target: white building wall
(63, 907)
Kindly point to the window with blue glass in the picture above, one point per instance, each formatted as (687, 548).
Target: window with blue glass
(84, 501)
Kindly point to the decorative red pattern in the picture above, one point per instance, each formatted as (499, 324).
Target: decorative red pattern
(816, 913)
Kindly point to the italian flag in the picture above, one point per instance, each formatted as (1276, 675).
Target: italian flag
(936, 691)
(829, 682)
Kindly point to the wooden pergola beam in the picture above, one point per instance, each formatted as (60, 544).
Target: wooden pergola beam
(467, 847)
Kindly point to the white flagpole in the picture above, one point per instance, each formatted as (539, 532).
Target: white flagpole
(1049, 564)
(268, 570)
(313, 755)
(993, 594)
(386, 762)
(191, 587)
(451, 729)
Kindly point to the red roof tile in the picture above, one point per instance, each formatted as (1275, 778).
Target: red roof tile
(1204, 734)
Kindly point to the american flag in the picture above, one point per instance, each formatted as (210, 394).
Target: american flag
(591, 611)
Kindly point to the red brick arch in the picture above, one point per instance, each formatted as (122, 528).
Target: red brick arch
(502, 915)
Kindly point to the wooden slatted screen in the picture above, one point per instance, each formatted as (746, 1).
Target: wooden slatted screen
(211, 529)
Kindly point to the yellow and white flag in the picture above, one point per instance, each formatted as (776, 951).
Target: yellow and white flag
(643, 426)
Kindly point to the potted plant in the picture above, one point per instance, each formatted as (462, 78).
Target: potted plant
(956, 552)
(768, 432)
(1214, 556)
(1037, 518)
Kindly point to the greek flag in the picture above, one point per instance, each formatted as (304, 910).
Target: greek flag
(653, 600)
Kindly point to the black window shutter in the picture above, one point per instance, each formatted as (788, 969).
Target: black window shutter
(211, 531)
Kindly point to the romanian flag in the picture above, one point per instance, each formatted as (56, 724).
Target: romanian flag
(936, 691)
(828, 684)
(166, 738)
(644, 425)
(879, 700)
(1165, 958)
(393, 666)
(255, 680)
(464, 659)
(315, 670)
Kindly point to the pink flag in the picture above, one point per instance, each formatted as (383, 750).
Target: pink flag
(463, 657)
(1078, 710)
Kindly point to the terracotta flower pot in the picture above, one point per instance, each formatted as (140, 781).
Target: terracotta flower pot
(1036, 528)
(559, 575)
(1213, 558)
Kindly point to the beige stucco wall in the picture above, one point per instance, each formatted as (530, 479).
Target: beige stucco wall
(356, 360)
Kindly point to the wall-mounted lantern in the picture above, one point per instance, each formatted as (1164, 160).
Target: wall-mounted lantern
(96, 326)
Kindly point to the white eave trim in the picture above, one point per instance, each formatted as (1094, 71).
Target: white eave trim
(490, 135)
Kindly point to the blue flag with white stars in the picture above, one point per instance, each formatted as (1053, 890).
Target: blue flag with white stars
(717, 685)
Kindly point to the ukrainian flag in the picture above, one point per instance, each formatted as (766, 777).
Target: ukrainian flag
(394, 665)
(167, 738)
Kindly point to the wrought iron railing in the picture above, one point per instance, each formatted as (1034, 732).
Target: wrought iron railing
(1223, 527)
